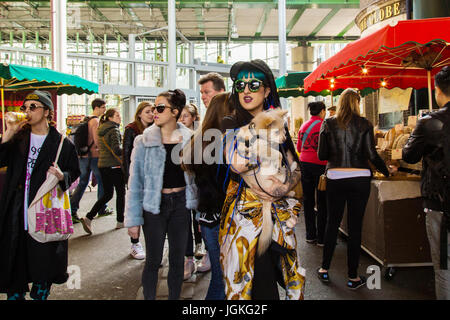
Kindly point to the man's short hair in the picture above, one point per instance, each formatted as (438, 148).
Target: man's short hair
(217, 80)
(442, 80)
(316, 107)
(97, 103)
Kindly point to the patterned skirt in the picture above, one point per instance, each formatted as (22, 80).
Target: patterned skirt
(240, 226)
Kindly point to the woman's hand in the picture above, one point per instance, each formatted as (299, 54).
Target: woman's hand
(392, 169)
(12, 128)
(133, 232)
(275, 192)
(54, 170)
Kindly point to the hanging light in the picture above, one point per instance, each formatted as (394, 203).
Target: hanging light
(383, 82)
(332, 80)
(332, 86)
(364, 69)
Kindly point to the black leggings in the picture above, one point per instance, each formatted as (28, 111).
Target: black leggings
(355, 192)
(111, 179)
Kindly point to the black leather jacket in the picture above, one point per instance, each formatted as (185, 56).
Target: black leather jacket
(429, 141)
(349, 148)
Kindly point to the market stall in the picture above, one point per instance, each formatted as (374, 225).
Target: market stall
(406, 55)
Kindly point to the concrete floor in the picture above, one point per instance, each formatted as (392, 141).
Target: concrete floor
(107, 272)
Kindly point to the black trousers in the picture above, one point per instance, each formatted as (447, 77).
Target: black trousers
(315, 222)
(355, 193)
(172, 220)
(111, 179)
(196, 236)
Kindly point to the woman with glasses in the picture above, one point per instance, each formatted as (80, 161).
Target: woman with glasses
(248, 275)
(347, 142)
(160, 194)
(110, 166)
(28, 149)
(143, 118)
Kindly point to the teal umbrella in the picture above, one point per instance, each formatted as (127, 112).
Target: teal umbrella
(15, 77)
(291, 85)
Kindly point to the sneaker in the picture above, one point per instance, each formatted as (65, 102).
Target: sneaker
(189, 268)
(106, 212)
(119, 225)
(353, 285)
(75, 219)
(137, 252)
(199, 253)
(312, 241)
(323, 276)
(86, 222)
(320, 244)
(205, 264)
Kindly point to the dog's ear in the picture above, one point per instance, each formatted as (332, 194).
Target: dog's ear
(267, 121)
(282, 113)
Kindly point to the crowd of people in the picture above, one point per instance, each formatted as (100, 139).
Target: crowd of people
(166, 186)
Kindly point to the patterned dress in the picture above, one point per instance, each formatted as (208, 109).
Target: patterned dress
(240, 227)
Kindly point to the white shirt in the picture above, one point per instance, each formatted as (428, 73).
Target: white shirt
(36, 142)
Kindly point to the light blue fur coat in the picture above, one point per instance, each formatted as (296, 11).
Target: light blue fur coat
(146, 175)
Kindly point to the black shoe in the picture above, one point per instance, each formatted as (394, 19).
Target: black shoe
(323, 276)
(353, 285)
(75, 219)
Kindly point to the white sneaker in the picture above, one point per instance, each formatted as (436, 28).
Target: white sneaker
(86, 222)
(119, 225)
(205, 264)
(199, 252)
(189, 268)
(137, 252)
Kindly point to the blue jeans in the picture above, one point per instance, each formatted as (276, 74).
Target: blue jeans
(86, 166)
(216, 290)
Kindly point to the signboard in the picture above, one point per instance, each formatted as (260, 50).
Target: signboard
(393, 100)
(379, 12)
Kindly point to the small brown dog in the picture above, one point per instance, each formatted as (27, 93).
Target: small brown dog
(259, 141)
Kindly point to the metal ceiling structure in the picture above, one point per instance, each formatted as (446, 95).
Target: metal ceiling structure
(306, 20)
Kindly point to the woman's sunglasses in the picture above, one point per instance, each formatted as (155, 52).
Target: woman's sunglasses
(253, 85)
(32, 107)
(160, 108)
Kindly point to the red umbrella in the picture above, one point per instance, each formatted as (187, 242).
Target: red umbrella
(406, 55)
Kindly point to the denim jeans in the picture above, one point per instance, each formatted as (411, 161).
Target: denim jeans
(216, 290)
(441, 277)
(172, 220)
(86, 166)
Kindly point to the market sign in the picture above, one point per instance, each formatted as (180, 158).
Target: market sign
(379, 12)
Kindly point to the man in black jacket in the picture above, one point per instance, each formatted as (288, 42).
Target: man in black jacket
(431, 140)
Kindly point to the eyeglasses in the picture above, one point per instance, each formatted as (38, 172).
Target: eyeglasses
(160, 108)
(253, 85)
(32, 107)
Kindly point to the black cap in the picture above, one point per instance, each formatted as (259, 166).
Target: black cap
(42, 96)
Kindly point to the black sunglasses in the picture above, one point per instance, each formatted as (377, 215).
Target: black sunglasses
(160, 108)
(33, 107)
(253, 85)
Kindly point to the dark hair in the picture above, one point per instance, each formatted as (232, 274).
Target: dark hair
(97, 103)
(108, 114)
(215, 78)
(176, 98)
(442, 80)
(316, 107)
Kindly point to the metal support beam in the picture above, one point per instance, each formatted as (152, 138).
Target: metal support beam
(59, 53)
(282, 41)
(345, 30)
(172, 45)
(294, 20)
(262, 22)
(201, 25)
(325, 20)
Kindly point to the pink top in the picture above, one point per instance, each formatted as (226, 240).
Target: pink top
(309, 151)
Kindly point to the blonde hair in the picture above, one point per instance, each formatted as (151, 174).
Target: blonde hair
(193, 111)
(348, 106)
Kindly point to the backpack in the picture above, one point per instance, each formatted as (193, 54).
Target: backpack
(81, 137)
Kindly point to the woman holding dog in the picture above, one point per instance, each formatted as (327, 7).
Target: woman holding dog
(248, 275)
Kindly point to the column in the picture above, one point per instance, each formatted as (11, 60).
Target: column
(282, 42)
(172, 45)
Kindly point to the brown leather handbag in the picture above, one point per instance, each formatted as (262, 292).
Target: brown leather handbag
(322, 186)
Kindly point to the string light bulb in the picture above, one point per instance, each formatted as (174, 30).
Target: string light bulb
(364, 69)
(332, 80)
(383, 83)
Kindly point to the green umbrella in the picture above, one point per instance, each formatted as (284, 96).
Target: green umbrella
(291, 85)
(14, 77)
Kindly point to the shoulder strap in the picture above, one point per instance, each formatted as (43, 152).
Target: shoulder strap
(59, 149)
(110, 150)
(306, 134)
